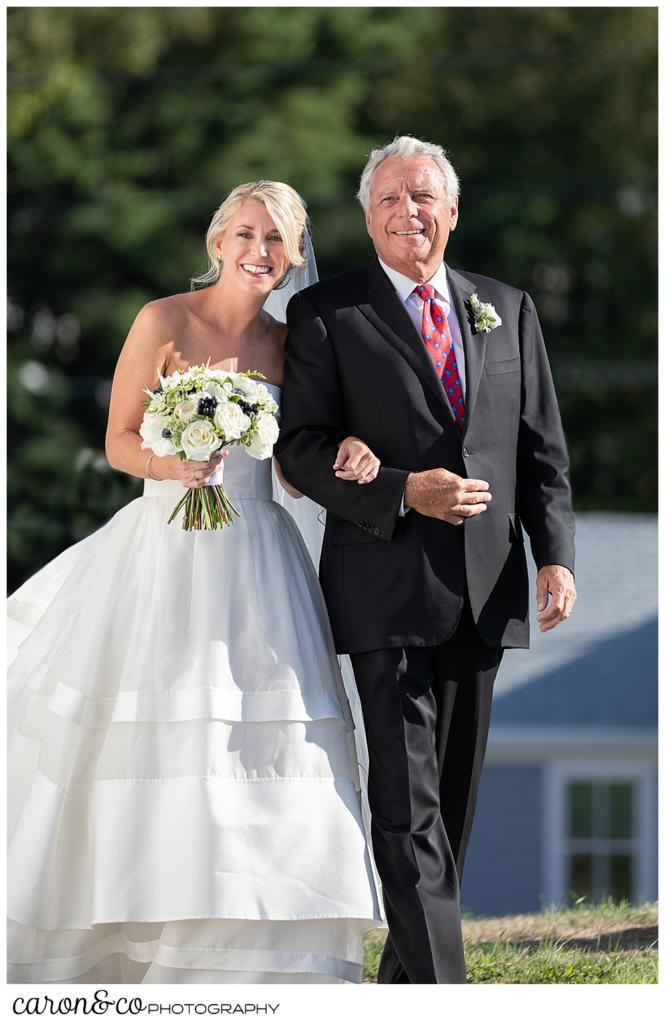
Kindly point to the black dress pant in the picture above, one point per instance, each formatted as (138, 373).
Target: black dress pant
(426, 712)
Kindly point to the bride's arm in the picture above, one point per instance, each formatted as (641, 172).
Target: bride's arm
(285, 483)
(355, 461)
(144, 352)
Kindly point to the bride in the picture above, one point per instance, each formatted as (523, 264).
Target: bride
(183, 786)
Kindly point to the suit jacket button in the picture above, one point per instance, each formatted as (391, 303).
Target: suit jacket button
(376, 531)
(465, 452)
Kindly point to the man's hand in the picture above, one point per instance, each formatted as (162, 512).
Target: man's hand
(447, 496)
(557, 583)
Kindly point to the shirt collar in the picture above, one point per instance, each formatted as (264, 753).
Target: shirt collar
(404, 285)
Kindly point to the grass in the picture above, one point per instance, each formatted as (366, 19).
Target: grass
(607, 944)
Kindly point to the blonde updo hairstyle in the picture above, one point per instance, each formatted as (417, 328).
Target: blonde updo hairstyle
(285, 207)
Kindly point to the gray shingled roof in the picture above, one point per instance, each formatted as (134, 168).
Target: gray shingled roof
(600, 667)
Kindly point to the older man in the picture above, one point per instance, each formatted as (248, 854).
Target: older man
(445, 376)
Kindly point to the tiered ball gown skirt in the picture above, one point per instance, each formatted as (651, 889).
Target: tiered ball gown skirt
(183, 786)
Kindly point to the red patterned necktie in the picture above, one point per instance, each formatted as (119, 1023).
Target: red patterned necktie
(439, 341)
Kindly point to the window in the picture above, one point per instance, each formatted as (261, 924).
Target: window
(601, 839)
(600, 825)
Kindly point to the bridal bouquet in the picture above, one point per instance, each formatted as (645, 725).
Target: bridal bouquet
(195, 412)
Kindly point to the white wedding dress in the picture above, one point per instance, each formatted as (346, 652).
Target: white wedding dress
(183, 785)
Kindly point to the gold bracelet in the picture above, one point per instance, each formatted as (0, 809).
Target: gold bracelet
(147, 468)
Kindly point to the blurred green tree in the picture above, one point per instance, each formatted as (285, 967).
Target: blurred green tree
(128, 126)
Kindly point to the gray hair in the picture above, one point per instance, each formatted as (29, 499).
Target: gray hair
(405, 146)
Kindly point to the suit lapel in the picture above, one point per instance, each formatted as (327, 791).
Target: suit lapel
(474, 341)
(385, 312)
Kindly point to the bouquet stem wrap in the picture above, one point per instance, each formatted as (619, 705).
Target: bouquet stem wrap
(206, 508)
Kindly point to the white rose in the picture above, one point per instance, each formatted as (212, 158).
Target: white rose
(267, 432)
(268, 428)
(199, 440)
(258, 450)
(231, 420)
(188, 408)
(265, 399)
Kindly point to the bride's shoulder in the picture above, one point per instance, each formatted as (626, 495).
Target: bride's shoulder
(169, 311)
(155, 333)
(159, 322)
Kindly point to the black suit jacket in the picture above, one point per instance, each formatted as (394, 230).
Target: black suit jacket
(355, 364)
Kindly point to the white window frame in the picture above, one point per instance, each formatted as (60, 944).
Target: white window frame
(559, 776)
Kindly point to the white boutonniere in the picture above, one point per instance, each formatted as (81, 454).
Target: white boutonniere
(485, 317)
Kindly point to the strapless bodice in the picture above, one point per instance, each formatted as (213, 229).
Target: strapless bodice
(243, 477)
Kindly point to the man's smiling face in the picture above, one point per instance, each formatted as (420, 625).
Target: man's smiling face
(410, 217)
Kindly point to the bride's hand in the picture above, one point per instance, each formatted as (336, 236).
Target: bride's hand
(355, 461)
(197, 474)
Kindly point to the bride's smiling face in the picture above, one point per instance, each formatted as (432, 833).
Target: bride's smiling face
(252, 249)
